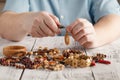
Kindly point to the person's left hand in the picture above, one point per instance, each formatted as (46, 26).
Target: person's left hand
(83, 32)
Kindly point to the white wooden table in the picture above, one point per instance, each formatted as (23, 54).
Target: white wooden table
(98, 72)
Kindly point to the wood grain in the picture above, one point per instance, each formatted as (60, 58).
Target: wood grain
(11, 73)
(107, 72)
(98, 72)
(67, 73)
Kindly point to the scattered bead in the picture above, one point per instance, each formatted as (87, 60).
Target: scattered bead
(52, 59)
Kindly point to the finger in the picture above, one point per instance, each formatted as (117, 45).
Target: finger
(46, 30)
(35, 34)
(77, 29)
(81, 25)
(41, 32)
(86, 38)
(51, 24)
(82, 33)
(42, 29)
(71, 26)
(55, 19)
(77, 21)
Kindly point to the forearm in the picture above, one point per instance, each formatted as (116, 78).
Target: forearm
(107, 29)
(14, 26)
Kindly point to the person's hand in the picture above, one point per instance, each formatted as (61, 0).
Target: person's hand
(83, 32)
(45, 24)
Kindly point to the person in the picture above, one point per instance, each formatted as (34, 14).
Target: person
(92, 23)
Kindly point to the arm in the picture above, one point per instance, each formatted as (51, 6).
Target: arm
(15, 26)
(107, 29)
(90, 36)
(12, 25)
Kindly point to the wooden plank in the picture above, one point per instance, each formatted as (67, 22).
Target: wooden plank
(10, 73)
(56, 42)
(117, 68)
(111, 50)
(27, 42)
(67, 73)
(107, 72)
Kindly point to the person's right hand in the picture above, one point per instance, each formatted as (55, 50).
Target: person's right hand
(45, 24)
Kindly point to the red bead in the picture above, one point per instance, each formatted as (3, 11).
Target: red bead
(104, 61)
(92, 63)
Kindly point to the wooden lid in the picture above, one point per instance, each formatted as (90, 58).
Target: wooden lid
(16, 51)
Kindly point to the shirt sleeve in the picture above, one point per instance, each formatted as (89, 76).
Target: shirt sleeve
(17, 5)
(102, 8)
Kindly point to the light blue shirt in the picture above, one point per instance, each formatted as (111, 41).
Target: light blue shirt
(67, 10)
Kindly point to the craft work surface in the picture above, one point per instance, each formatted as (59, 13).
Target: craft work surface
(97, 72)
